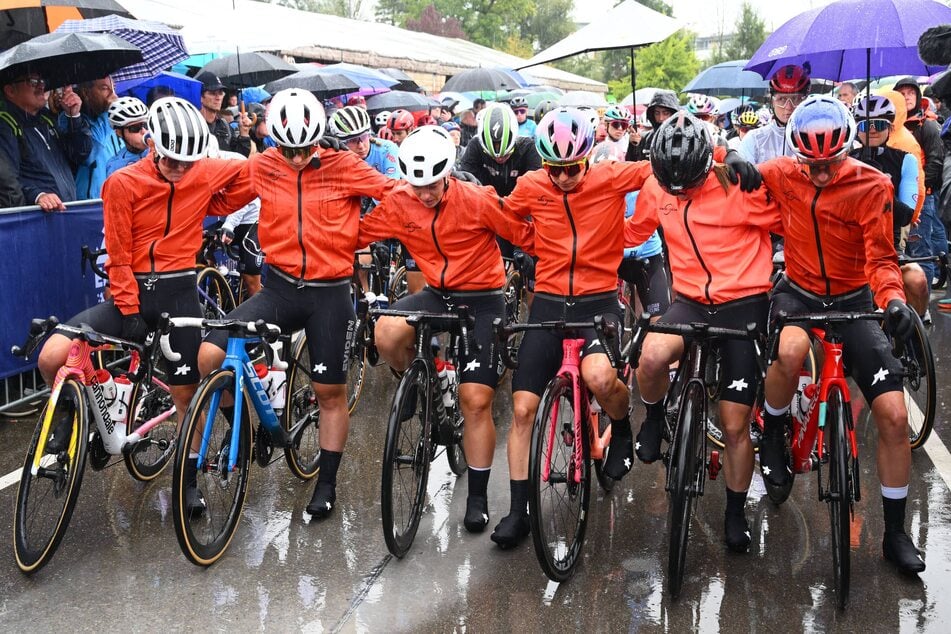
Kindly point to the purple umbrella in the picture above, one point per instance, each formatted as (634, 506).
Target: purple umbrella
(849, 39)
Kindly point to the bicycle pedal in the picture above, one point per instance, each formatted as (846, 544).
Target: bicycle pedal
(714, 465)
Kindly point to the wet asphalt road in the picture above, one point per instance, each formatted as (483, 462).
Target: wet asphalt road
(120, 566)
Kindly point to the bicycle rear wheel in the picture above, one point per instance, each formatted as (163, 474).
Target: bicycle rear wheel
(919, 385)
(399, 287)
(686, 466)
(406, 458)
(204, 537)
(839, 493)
(558, 504)
(214, 294)
(150, 455)
(357, 367)
(301, 406)
(45, 501)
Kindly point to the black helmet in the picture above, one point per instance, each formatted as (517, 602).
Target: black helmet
(544, 107)
(681, 152)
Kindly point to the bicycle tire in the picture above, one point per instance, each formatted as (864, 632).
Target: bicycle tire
(558, 544)
(205, 538)
(839, 493)
(606, 481)
(55, 481)
(150, 455)
(399, 287)
(301, 404)
(215, 295)
(686, 462)
(516, 310)
(919, 385)
(356, 369)
(406, 459)
(455, 451)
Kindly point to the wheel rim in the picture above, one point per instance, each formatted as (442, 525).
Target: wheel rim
(301, 404)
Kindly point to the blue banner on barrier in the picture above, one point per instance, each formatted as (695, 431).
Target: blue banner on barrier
(42, 256)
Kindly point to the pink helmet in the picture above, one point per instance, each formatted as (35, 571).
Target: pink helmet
(564, 135)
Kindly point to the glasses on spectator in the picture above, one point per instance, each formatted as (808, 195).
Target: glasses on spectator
(520, 110)
(35, 82)
(879, 125)
(619, 125)
(357, 140)
(135, 128)
(788, 101)
(174, 165)
(290, 153)
(569, 169)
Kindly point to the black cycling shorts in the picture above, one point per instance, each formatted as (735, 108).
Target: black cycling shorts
(540, 353)
(250, 258)
(485, 307)
(649, 278)
(177, 296)
(867, 354)
(324, 312)
(739, 372)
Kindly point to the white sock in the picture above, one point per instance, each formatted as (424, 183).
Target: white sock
(774, 411)
(894, 493)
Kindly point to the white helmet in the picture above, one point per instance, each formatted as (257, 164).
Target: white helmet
(349, 122)
(381, 118)
(295, 118)
(178, 130)
(426, 155)
(127, 110)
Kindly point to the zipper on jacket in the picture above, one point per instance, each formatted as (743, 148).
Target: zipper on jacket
(445, 266)
(696, 250)
(815, 227)
(150, 282)
(300, 229)
(574, 247)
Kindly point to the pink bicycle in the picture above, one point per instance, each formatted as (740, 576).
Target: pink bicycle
(134, 417)
(570, 433)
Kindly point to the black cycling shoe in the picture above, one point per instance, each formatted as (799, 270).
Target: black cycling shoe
(511, 530)
(620, 456)
(772, 459)
(409, 403)
(58, 441)
(648, 441)
(477, 513)
(736, 532)
(898, 548)
(194, 501)
(322, 502)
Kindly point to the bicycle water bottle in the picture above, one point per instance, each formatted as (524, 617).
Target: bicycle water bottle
(277, 382)
(109, 429)
(802, 398)
(450, 384)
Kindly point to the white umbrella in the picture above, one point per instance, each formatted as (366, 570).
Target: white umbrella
(642, 96)
(582, 99)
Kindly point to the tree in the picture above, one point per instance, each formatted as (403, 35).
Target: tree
(657, 5)
(343, 8)
(669, 64)
(548, 24)
(396, 12)
(433, 22)
(749, 35)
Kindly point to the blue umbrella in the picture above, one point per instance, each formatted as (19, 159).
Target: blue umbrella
(165, 84)
(366, 78)
(727, 78)
(851, 39)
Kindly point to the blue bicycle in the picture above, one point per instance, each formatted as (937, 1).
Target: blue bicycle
(289, 421)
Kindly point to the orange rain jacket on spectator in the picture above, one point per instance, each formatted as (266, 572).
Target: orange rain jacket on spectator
(454, 243)
(718, 240)
(901, 139)
(837, 238)
(310, 218)
(153, 225)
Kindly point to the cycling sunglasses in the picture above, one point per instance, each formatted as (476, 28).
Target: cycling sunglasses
(879, 125)
(619, 125)
(134, 128)
(363, 138)
(290, 153)
(569, 169)
(520, 110)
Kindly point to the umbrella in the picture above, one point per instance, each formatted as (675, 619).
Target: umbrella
(463, 100)
(640, 96)
(942, 86)
(396, 99)
(729, 105)
(368, 79)
(479, 79)
(853, 38)
(582, 99)
(255, 94)
(324, 85)
(166, 83)
(26, 19)
(405, 81)
(68, 58)
(161, 45)
(248, 69)
(727, 78)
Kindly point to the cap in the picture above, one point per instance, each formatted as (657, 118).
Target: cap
(450, 104)
(209, 81)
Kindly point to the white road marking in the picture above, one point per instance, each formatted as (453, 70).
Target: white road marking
(10, 479)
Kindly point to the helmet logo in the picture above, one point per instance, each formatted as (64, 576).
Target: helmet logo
(495, 128)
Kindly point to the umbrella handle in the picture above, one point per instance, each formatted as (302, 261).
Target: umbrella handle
(253, 117)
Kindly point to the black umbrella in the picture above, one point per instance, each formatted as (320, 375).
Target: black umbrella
(323, 85)
(401, 99)
(248, 69)
(407, 83)
(479, 79)
(23, 20)
(728, 78)
(68, 58)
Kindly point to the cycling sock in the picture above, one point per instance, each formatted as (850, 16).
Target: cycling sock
(894, 510)
(519, 493)
(479, 481)
(774, 421)
(655, 410)
(735, 502)
(621, 428)
(621, 450)
(328, 463)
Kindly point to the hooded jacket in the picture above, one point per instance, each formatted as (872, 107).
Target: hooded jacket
(928, 135)
(661, 99)
(901, 139)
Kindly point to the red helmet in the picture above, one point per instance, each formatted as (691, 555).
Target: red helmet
(357, 100)
(426, 120)
(790, 79)
(385, 133)
(401, 120)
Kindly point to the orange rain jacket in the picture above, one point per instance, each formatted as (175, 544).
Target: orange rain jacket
(901, 139)
(837, 238)
(153, 225)
(454, 243)
(718, 240)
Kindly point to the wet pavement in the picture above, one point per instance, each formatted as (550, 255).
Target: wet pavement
(120, 565)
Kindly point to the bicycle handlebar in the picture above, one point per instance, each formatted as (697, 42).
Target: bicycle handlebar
(444, 321)
(820, 320)
(89, 256)
(267, 332)
(603, 329)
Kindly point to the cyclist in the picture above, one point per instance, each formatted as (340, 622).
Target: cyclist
(526, 127)
(351, 125)
(310, 213)
(544, 107)
(704, 108)
(379, 121)
(457, 253)
(837, 223)
(153, 212)
(618, 122)
(128, 117)
(788, 88)
(704, 217)
(400, 123)
(744, 119)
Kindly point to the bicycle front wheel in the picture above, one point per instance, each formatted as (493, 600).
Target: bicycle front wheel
(301, 407)
(148, 458)
(559, 482)
(839, 494)
(45, 501)
(357, 368)
(919, 385)
(406, 458)
(204, 537)
(686, 465)
(214, 294)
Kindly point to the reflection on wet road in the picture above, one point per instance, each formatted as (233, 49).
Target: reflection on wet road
(120, 566)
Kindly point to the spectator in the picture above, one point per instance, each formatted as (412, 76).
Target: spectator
(258, 133)
(212, 96)
(455, 133)
(846, 93)
(97, 96)
(478, 105)
(10, 193)
(448, 110)
(157, 92)
(128, 117)
(42, 155)
(228, 114)
(526, 126)
(469, 127)
(663, 105)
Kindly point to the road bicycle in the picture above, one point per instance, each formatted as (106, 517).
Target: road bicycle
(136, 421)
(515, 296)
(570, 433)
(685, 430)
(289, 420)
(422, 418)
